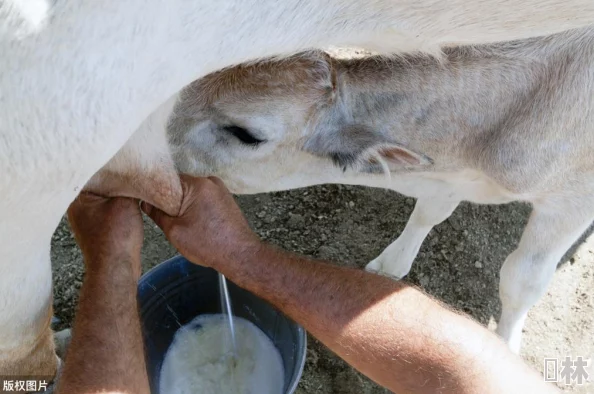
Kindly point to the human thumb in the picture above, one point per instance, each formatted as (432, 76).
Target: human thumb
(158, 216)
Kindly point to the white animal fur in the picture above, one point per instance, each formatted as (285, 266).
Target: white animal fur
(489, 124)
(78, 77)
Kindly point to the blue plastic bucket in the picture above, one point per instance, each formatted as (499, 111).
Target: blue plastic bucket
(176, 291)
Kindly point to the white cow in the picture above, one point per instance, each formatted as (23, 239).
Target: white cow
(77, 78)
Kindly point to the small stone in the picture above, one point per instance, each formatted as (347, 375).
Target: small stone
(455, 223)
(424, 281)
(478, 264)
(327, 252)
(269, 219)
(261, 214)
(295, 221)
(351, 204)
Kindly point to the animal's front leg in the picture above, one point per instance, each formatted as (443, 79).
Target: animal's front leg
(527, 271)
(397, 258)
(26, 338)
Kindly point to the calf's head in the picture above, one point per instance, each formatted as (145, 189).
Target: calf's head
(277, 125)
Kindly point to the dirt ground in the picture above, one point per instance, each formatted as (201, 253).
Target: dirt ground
(458, 263)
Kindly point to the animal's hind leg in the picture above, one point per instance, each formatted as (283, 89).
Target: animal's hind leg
(396, 260)
(526, 273)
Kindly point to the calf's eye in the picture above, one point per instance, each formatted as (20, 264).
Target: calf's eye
(243, 135)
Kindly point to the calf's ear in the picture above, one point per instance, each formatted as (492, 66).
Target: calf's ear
(362, 148)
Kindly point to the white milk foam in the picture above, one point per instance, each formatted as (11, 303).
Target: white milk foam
(199, 360)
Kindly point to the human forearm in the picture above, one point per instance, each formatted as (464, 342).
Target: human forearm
(388, 330)
(106, 351)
